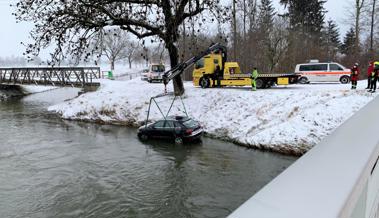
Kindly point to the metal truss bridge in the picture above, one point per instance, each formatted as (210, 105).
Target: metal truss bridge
(80, 77)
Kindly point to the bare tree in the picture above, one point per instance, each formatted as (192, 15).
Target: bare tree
(73, 24)
(359, 6)
(116, 45)
(373, 11)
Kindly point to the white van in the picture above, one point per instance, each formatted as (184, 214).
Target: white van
(323, 72)
(156, 72)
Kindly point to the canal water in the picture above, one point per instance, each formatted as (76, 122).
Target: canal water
(55, 168)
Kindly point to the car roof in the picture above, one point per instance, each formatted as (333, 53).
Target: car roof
(319, 63)
(176, 118)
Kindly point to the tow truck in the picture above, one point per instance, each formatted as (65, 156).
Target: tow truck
(231, 75)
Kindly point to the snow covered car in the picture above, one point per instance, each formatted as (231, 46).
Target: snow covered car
(176, 128)
(155, 73)
(144, 74)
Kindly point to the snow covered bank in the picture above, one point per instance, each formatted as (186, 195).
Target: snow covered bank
(284, 119)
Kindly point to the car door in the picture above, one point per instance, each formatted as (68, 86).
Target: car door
(157, 130)
(321, 71)
(169, 129)
(336, 72)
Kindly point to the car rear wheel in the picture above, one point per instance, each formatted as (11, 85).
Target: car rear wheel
(345, 79)
(178, 141)
(303, 80)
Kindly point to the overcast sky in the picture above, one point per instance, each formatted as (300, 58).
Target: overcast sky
(13, 33)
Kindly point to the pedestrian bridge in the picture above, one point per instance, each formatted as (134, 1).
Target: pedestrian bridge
(336, 179)
(81, 77)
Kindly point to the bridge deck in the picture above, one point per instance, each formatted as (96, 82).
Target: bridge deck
(55, 76)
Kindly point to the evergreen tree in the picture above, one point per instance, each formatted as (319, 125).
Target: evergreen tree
(266, 16)
(331, 39)
(348, 44)
(306, 15)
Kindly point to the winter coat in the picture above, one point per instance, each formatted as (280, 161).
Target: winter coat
(354, 73)
(254, 74)
(370, 69)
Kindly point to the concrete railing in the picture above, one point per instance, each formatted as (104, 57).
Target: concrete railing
(337, 178)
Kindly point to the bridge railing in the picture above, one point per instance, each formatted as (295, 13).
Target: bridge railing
(337, 178)
(56, 76)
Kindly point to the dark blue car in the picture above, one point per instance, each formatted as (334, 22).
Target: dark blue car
(177, 128)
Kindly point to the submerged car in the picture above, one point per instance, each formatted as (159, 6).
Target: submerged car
(177, 128)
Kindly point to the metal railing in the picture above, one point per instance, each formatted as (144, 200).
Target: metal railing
(55, 76)
(337, 178)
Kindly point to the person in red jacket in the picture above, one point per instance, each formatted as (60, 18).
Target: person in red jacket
(354, 76)
(370, 69)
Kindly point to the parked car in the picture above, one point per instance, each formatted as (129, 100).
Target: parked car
(155, 73)
(177, 128)
(144, 74)
(323, 72)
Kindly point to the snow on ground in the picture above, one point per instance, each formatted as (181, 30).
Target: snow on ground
(288, 119)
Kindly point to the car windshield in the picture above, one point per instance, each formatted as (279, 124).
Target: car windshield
(190, 124)
(158, 68)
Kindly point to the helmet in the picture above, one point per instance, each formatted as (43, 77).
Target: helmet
(356, 64)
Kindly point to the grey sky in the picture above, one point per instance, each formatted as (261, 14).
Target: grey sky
(13, 33)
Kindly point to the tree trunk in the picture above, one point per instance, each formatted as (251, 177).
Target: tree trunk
(130, 62)
(372, 28)
(112, 65)
(234, 31)
(177, 81)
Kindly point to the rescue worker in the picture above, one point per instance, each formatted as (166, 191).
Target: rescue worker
(370, 69)
(354, 76)
(254, 76)
(216, 76)
(374, 79)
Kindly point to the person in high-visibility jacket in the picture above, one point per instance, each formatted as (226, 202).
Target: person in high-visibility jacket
(370, 69)
(374, 77)
(254, 76)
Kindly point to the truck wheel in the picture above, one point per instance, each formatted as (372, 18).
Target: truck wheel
(204, 82)
(260, 83)
(345, 79)
(303, 80)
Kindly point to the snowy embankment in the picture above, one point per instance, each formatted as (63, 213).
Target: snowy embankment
(284, 119)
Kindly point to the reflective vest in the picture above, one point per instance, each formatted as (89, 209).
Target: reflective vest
(254, 74)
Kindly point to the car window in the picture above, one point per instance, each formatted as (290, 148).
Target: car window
(314, 67)
(335, 67)
(190, 123)
(177, 124)
(199, 64)
(169, 124)
(158, 68)
(159, 124)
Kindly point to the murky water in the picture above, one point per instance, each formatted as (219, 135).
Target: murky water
(55, 168)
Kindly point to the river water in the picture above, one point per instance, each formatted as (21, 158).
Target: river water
(55, 168)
